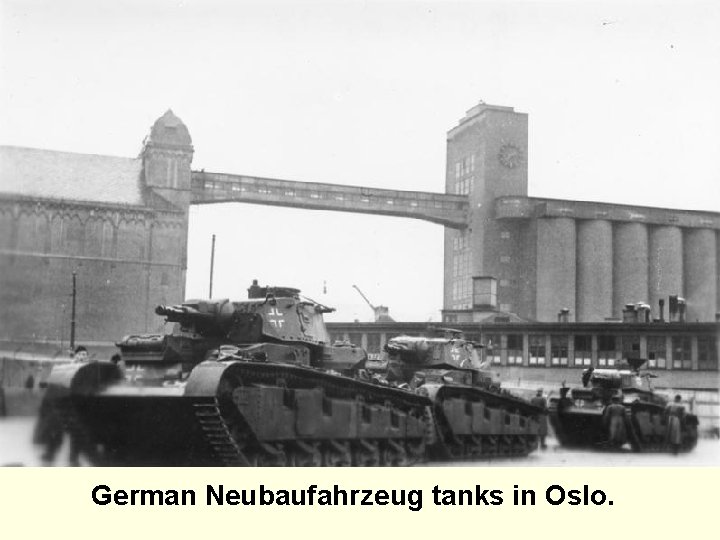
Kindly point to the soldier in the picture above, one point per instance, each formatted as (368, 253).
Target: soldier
(80, 443)
(614, 417)
(675, 413)
(540, 401)
(48, 431)
(81, 354)
(52, 424)
(3, 412)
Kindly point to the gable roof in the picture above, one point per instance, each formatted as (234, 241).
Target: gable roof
(49, 174)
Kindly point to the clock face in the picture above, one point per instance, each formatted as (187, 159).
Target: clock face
(510, 156)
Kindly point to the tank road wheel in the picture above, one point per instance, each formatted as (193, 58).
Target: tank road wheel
(468, 446)
(506, 446)
(272, 456)
(366, 454)
(337, 454)
(455, 449)
(516, 445)
(531, 443)
(393, 454)
(416, 451)
(491, 446)
(306, 455)
(474, 447)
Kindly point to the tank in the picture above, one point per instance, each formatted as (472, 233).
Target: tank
(256, 382)
(580, 416)
(470, 415)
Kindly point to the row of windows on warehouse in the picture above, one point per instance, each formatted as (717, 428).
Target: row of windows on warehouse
(682, 351)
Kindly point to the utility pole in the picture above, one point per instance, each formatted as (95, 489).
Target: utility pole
(212, 265)
(72, 315)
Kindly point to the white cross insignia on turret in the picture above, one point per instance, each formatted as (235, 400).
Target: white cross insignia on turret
(277, 323)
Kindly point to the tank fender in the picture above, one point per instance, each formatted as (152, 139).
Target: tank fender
(429, 390)
(204, 380)
(83, 379)
(62, 375)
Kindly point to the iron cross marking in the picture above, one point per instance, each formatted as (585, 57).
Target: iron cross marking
(278, 321)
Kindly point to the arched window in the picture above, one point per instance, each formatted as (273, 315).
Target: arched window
(74, 242)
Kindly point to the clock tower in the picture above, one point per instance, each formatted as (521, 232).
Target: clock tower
(487, 157)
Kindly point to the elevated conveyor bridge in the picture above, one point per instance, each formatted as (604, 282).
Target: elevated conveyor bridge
(443, 209)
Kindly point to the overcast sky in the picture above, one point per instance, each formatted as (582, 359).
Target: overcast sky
(623, 103)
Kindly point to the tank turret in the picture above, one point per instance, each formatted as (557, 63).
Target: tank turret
(448, 358)
(275, 324)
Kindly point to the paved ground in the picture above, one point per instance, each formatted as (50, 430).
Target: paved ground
(16, 449)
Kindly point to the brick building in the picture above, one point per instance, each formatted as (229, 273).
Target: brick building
(119, 223)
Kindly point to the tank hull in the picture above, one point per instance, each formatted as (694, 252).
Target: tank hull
(240, 413)
(580, 424)
(475, 423)
(256, 382)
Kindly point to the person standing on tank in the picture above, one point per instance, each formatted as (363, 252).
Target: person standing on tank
(674, 414)
(540, 401)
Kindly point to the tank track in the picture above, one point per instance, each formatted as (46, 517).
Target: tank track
(650, 435)
(509, 434)
(230, 441)
(217, 435)
(214, 423)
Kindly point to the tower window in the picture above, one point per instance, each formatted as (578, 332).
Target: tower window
(172, 173)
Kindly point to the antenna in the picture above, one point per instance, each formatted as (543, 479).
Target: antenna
(72, 316)
(212, 265)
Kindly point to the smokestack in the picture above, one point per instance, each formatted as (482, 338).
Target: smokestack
(676, 309)
(255, 291)
(629, 314)
(661, 316)
(643, 312)
(564, 315)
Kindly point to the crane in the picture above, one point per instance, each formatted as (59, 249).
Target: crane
(382, 313)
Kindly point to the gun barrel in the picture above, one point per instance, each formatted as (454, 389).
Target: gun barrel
(183, 314)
